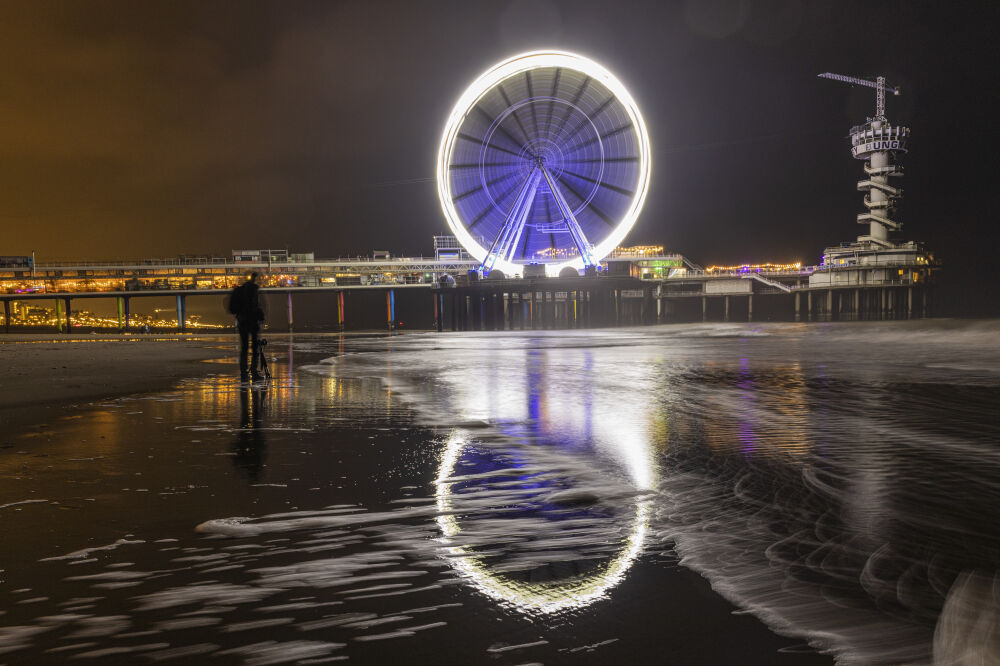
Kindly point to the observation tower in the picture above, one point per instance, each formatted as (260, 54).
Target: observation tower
(544, 161)
(879, 143)
(876, 259)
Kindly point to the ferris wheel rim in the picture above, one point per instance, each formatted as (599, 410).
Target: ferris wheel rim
(486, 82)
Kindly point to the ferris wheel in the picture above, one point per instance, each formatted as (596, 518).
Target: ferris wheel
(545, 160)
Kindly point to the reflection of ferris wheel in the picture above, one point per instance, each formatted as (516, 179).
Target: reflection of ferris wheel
(545, 160)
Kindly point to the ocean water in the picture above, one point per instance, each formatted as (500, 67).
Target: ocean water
(710, 494)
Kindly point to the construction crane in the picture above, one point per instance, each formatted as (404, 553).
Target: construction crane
(878, 84)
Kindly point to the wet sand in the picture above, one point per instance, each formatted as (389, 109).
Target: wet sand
(43, 375)
(80, 367)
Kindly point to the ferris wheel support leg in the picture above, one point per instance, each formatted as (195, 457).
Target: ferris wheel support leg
(510, 234)
(582, 244)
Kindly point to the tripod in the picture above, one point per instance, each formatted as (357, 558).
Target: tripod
(260, 360)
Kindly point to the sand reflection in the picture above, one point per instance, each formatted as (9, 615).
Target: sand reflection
(547, 508)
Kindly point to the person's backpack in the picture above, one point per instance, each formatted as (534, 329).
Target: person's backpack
(236, 300)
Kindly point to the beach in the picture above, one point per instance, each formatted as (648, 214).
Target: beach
(717, 494)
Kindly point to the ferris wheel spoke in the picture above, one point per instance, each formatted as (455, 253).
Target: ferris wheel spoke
(476, 165)
(503, 130)
(579, 238)
(588, 204)
(607, 135)
(472, 139)
(591, 117)
(595, 160)
(531, 95)
(513, 113)
(600, 183)
(577, 96)
(552, 102)
(483, 186)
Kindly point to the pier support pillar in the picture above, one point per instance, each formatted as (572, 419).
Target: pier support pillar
(857, 304)
(809, 306)
(798, 304)
(909, 303)
(128, 313)
(69, 316)
(725, 317)
(340, 310)
(704, 308)
(829, 305)
(121, 311)
(881, 313)
(531, 307)
(6, 316)
(291, 319)
(390, 308)
(180, 312)
(750, 307)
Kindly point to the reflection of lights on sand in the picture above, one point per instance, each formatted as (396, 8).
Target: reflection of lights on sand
(538, 597)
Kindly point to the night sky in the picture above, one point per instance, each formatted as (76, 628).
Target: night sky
(137, 129)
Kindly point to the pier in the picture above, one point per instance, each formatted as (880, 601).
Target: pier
(631, 289)
(545, 303)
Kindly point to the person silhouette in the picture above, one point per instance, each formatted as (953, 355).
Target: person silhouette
(244, 303)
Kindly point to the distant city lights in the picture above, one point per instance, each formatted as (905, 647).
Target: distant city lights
(31, 315)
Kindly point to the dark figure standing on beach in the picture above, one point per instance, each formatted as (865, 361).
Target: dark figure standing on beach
(244, 302)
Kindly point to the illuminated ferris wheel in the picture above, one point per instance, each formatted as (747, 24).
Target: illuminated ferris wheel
(544, 160)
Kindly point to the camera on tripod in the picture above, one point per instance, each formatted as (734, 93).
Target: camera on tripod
(260, 360)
